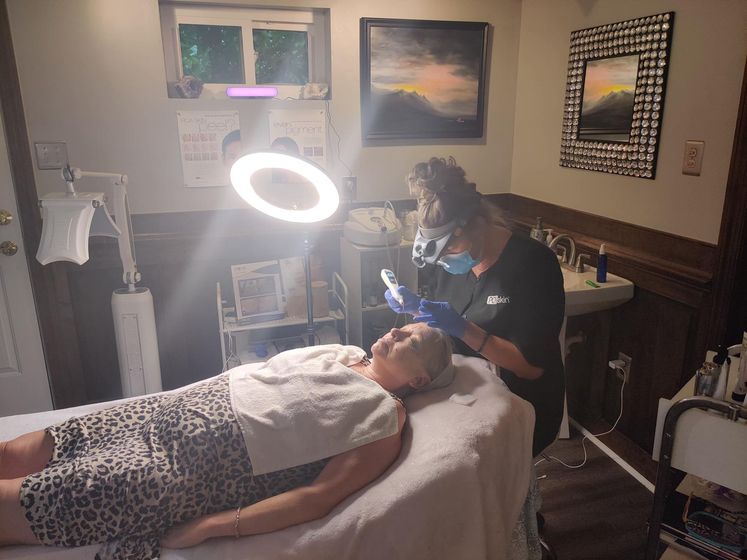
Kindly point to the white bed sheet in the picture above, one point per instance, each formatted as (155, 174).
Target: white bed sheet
(456, 491)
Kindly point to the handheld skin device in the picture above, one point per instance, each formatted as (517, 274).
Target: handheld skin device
(391, 282)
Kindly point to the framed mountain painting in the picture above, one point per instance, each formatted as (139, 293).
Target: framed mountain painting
(422, 79)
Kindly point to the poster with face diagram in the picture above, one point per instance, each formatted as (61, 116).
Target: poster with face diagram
(210, 141)
(300, 132)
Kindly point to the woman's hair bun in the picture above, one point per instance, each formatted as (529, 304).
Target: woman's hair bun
(437, 175)
(442, 191)
(444, 195)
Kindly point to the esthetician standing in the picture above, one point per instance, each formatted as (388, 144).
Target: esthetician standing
(497, 294)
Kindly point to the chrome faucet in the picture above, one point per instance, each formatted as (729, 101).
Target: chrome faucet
(568, 259)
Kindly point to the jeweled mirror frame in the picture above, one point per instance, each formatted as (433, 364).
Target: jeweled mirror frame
(648, 37)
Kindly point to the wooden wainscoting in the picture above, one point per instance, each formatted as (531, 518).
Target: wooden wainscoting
(663, 328)
(183, 255)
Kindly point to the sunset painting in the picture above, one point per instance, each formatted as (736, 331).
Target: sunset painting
(424, 79)
(607, 106)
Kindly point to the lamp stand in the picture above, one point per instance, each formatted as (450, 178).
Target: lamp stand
(137, 343)
(242, 172)
(132, 307)
(309, 300)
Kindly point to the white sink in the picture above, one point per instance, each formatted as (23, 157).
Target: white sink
(582, 298)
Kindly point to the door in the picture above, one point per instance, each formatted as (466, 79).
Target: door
(24, 386)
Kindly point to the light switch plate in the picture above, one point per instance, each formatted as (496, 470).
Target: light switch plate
(51, 155)
(693, 157)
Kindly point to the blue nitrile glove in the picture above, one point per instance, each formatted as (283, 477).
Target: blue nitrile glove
(411, 301)
(441, 315)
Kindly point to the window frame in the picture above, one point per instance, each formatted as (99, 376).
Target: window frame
(248, 19)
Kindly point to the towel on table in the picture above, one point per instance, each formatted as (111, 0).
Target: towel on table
(306, 404)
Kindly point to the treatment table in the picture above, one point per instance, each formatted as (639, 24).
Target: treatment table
(459, 488)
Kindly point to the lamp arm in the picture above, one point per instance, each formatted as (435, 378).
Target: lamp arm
(125, 240)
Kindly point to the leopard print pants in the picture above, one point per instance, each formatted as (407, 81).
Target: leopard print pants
(123, 476)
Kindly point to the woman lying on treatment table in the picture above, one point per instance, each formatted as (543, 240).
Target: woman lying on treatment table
(256, 449)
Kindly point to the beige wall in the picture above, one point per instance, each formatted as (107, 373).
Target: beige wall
(92, 75)
(705, 76)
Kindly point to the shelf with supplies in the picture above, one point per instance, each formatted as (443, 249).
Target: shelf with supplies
(369, 316)
(706, 439)
(245, 342)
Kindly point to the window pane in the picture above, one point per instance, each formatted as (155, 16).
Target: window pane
(281, 57)
(212, 53)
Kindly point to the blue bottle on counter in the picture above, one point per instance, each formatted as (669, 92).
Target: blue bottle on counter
(602, 264)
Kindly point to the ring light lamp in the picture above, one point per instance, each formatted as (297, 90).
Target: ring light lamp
(242, 172)
(246, 166)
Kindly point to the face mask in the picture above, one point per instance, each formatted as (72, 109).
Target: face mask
(460, 263)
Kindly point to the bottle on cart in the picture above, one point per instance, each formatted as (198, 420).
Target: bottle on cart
(740, 389)
(706, 379)
(722, 360)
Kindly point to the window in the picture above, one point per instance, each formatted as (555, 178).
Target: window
(285, 48)
(211, 53)
(281, 56)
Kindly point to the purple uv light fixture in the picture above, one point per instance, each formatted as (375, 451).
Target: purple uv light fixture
(252, 91)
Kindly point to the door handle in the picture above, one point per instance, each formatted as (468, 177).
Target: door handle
(8, 248)
(5, 217)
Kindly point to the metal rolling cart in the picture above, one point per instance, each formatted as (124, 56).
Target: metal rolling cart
(702, 437)
(278, 330)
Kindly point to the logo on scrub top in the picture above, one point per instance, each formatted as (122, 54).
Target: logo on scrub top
(495, 300)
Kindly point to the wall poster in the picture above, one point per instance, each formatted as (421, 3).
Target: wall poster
(210, 141)
(300, 132)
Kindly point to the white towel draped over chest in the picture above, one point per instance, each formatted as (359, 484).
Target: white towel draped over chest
(307, 404)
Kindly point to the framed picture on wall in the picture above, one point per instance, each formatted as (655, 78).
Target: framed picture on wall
(422, 79)
(614, 96)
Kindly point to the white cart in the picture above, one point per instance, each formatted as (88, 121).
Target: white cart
(257, 342)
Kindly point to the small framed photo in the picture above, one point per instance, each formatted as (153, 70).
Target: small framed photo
(258, 291)
(422, 78)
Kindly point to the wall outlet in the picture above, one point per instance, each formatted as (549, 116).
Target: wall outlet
(349, 188)
(626, 368)
(51, 155)
(692, 160)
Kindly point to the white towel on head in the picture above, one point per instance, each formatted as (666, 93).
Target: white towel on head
(306, 404)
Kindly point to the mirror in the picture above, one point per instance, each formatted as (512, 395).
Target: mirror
(614, 99)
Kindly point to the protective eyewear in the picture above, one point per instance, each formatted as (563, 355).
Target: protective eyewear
(430, 243)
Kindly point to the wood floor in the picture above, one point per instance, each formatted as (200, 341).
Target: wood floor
(597, 512)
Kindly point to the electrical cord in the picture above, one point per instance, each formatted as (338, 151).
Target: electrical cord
(339, 140)
(229, 360)
(583, 440)
(392, 265)
(232, 355)
(386, 240)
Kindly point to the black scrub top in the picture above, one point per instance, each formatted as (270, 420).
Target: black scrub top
(520, 299)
